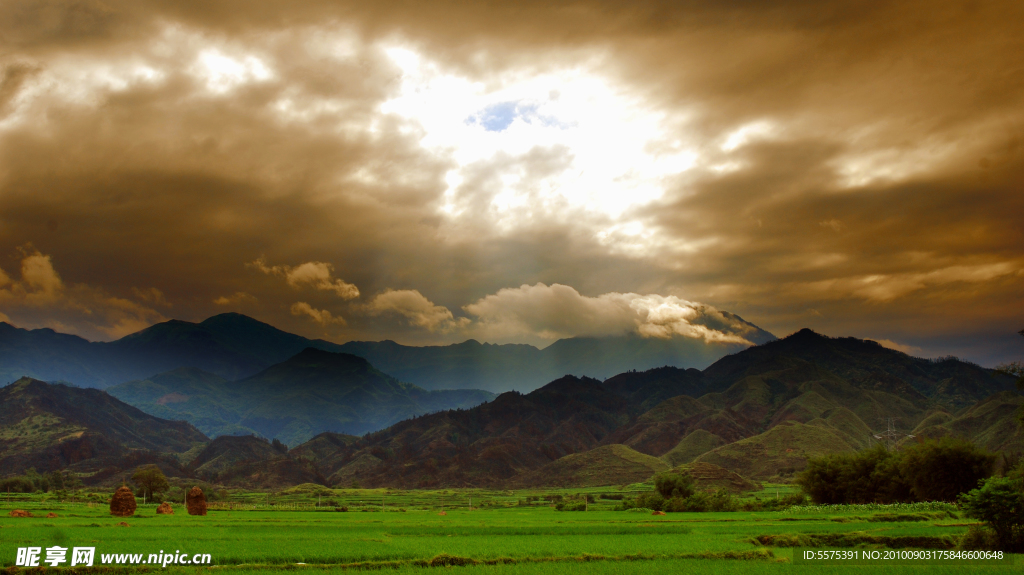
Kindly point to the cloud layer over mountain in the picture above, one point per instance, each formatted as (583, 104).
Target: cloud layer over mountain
(356, 170)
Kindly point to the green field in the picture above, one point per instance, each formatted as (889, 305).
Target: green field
(504, 532)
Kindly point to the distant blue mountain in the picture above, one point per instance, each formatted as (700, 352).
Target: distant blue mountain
(234, 346)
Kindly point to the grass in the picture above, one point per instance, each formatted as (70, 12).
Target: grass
(497, 536)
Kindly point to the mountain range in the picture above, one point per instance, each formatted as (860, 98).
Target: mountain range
(233, 347)
(759, 413)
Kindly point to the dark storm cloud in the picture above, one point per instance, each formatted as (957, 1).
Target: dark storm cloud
(858, 172)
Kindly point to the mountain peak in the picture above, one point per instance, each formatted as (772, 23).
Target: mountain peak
(233, 318)
(315, 364)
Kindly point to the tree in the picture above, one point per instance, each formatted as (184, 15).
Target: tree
(999, 502)
(931, 471)
(672, 485)
(56, 480)
(942, 470)
(150, 480)
(869, 476)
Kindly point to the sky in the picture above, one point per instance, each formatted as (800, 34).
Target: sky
(432, 171)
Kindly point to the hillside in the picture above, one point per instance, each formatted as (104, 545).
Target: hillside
(203, 399)
(57, 426)
(309, 393)
(991, 423)
(605, 465)
(710, 477)
(486, 445)
(849, 386)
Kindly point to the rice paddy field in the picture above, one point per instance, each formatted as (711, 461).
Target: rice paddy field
(321, 530)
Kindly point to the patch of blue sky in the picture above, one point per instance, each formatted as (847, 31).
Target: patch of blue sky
(498, 117)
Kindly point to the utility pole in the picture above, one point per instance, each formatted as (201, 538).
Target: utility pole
(891, 435)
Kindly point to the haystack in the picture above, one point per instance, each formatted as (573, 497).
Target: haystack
(20, 513)
(195, 502)
(122, 504)
(164, 509)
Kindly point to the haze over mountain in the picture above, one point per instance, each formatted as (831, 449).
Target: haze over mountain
(524, 368)
(309, 393)
(234, 346)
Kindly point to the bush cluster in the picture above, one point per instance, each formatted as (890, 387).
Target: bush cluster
(34, 482)
(675, 492)
(930, 471)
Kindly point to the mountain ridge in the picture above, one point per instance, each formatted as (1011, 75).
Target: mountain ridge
(235, 346)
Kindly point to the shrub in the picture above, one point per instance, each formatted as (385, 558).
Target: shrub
(571, 506)
(719, 500)
(17, 485)
(978, 538)
(651, 500)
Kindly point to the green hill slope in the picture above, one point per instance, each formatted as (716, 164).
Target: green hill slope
(779, 452)
(605, 465)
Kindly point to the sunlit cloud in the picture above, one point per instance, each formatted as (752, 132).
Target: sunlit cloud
(313, 274)
(746, 134)
(559, 311)
(320, 316)
(416, 309)
(225, 73)
(888, 287)
(564, 146)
